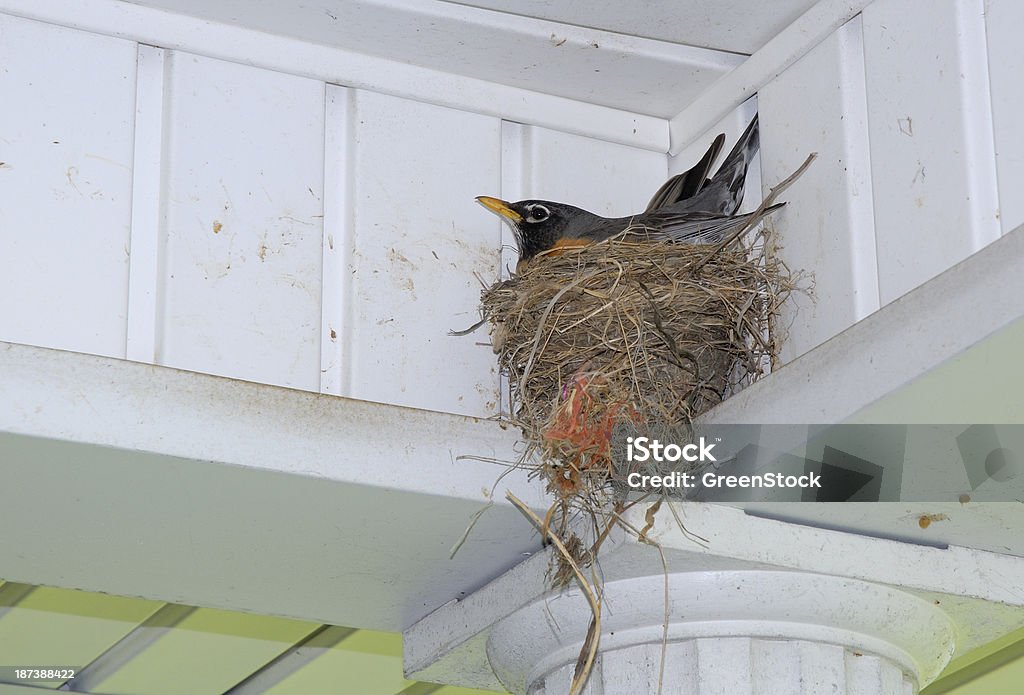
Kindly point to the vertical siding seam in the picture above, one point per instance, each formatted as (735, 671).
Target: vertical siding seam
(143, 298)
(864, 265)
(979, 114)
(336, 294)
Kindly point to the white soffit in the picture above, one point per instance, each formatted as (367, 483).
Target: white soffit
(606, 65)
(739, 26)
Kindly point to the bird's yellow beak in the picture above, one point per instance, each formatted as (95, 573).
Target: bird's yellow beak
(500, 207)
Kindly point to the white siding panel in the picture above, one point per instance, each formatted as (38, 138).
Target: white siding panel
(65, 186)
(420, 248)
(603, 177)
(1004, 22)
(932, 152)
(243, 227)
(826, 228)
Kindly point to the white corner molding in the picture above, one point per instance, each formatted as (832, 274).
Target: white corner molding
(787, 47)
(755, 602)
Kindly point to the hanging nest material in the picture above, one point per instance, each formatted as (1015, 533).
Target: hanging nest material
(628, 334)
(634, 336)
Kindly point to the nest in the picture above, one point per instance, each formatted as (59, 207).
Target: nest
(628, 334)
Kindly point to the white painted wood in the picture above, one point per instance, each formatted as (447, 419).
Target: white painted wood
(930, 122)
(243, 229)
(515, 178)
(741, 26)
(421, 247)
(227, 491)
(339, 187)
(65, 186)
(788, 46)
(1003, 20)
(827, 228)
(379, 69)
(147, 207)
(573, 59)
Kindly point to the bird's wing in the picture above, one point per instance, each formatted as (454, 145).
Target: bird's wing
(697, 227)
(690, 182)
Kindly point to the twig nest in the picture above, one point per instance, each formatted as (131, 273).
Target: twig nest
(628, 333)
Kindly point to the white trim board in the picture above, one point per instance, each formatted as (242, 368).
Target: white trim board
(347, 68)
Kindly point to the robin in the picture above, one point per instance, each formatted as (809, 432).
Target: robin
(689, 208)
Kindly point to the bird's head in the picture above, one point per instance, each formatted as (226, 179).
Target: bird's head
(540, 225)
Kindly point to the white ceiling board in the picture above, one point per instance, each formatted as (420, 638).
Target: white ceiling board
(602, 67)
(740, 26)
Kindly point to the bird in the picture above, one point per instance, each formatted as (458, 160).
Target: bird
(689, 208)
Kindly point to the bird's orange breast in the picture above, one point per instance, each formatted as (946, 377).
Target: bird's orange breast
(566, 243)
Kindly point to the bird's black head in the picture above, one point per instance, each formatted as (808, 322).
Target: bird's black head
(539, 225)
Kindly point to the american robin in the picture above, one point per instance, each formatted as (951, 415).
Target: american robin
(689, 208)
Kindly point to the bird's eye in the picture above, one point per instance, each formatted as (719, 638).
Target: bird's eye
(538, 213)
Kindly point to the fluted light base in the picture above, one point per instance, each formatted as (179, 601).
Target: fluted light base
(736, 666)
(743, 605)
(733, 632)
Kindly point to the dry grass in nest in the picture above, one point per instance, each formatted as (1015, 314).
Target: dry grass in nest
(628, 333)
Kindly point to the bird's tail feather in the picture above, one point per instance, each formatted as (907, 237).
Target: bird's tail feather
(725, 192)
(690, 182)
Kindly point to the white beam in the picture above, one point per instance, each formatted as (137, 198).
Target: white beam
(147, 481)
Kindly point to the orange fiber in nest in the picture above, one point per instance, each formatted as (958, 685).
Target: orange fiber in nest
(585, 423)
